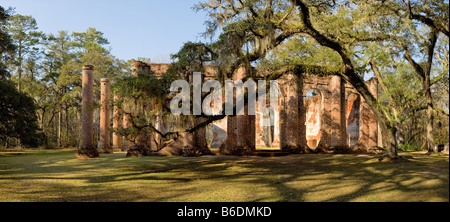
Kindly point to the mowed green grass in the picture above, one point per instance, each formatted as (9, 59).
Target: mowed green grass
(57, 176)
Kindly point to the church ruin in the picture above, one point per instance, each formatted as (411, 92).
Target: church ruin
(315, 114)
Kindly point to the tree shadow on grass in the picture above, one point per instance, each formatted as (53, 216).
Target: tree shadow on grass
(312, 177)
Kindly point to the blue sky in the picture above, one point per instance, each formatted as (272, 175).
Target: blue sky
(135, 28)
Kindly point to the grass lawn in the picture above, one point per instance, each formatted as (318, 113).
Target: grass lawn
(49, 175)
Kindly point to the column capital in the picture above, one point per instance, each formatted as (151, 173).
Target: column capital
(88, 67)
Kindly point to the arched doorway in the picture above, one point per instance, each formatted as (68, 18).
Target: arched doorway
(268, 126)
(267, 120)
(353, 119)
(313, 105)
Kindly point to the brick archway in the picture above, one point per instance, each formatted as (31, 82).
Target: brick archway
(314, 110)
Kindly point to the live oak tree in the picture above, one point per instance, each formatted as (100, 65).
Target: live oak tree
(414, 28)
(143, 101)
(148, 90)
(433, 17)
(301, 50)
(252, 29)
(261, 26)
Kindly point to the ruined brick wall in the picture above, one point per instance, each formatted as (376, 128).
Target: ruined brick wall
(362, 125)
(240, 128)
(144, 140)
(338, 117)
(329, 117)
(218, 132)
(369, 125)
(154, 140)
(291, 103)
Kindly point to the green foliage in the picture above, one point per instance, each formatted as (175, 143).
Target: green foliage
(25, 38)
(64, 56)
(146, 86)
(17, 110)
(409, 147)
(137, 94)
(47, 68)
(270, 35)
(301, 51)
(18, 116)
(6, 45)
(191, 58)
(90, 41)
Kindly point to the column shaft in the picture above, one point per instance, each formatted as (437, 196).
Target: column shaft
(117, 124)
(87, 148)
(105, 146)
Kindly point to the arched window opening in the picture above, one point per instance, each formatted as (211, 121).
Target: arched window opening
(268, 126)
(353, 119)
(313, 104)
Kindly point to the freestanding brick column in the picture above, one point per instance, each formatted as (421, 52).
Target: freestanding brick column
(87, 148)
(117, 124)
(105, 146)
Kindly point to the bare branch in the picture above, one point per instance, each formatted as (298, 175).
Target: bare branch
(419, 70)
(376, 71)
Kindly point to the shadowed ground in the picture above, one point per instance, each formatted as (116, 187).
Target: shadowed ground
(58, 176)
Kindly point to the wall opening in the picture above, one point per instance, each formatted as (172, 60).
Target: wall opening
(353, 119)
(268, 126)
(267, 122)
(313, 105)
(216, 133)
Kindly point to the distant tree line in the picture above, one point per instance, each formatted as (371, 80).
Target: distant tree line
(40, 76)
